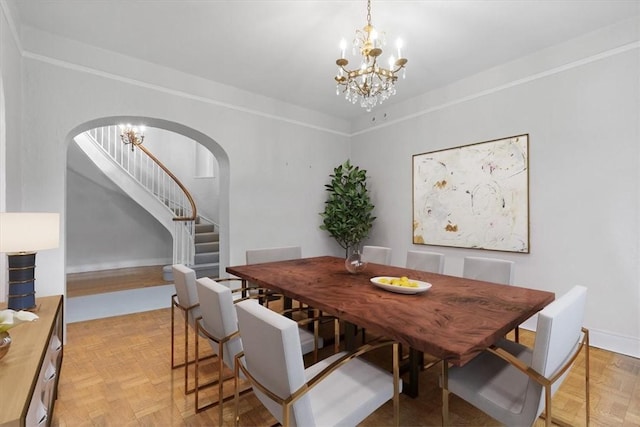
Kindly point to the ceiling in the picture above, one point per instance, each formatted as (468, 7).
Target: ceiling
(287, 49)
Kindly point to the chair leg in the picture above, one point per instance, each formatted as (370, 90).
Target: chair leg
(316, 326)
(186, 355)
(186, 362)
(445, 393)
(547, 406)
(236, 393)
(197, 386)
(174, 304)
(396, 385)
(173, 330)
(197, 372)
(220, 382)
(586, 376)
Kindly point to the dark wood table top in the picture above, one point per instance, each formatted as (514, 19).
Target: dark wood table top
(454, 320)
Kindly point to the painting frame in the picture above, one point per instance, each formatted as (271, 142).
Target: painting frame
(473, 196)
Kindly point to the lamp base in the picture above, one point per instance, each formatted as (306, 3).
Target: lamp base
(22, 295)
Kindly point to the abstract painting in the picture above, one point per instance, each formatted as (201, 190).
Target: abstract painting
(473, 196)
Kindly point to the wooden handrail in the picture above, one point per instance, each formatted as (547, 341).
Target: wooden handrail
(194, 214)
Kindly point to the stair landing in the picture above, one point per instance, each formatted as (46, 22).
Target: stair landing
(98, 282)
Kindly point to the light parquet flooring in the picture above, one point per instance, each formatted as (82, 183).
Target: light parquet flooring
(121, 279)
(116, 372)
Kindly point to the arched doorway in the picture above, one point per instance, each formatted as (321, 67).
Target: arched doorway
(157, 128)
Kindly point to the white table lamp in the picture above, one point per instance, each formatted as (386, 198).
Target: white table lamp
(21, 235)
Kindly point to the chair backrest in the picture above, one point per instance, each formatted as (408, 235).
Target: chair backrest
(432, 262)
(488, 270)
(376, 254)
(257, 256)
(274, 358)
(184, 280)
(219, 316)
(558, 333)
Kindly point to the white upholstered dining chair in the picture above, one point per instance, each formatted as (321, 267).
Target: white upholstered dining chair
(376, 254)
(283, 253)
(490, 270)
(341, 390)
(186, 300)
(513, 383)
(273, 254)
(219, 324)
(432, 262)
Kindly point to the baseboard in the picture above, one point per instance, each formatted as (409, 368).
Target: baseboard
(629, 346)
(626, 345)
(117, 264)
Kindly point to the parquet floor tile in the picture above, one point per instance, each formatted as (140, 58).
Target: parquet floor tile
(116, 372)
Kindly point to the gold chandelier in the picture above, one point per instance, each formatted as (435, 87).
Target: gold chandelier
(132, 135)
(370, 84)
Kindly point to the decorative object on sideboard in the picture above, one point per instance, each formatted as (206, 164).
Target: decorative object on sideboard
(9, 319)
(370, 83)
(22, 234)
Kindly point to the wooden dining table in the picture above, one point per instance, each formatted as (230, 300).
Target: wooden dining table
(454, 320)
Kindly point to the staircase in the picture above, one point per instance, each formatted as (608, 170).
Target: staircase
(207, 252)
(146, 180)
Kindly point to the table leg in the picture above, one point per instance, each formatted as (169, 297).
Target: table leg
(287, 305)
(410, 388)
(349, 336)
(445, 393)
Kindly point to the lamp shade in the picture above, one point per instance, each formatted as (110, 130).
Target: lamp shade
(29, 231)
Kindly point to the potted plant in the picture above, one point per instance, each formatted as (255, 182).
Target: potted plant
(348, 209)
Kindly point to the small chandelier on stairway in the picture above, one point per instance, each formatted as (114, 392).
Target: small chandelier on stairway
(370, 84)
(133, 135)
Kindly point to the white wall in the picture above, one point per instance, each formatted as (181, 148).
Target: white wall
(279, 157)
(581, 115)
(10, 141)
(105, 227)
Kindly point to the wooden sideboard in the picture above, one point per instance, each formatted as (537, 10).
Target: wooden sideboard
(29, 372)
